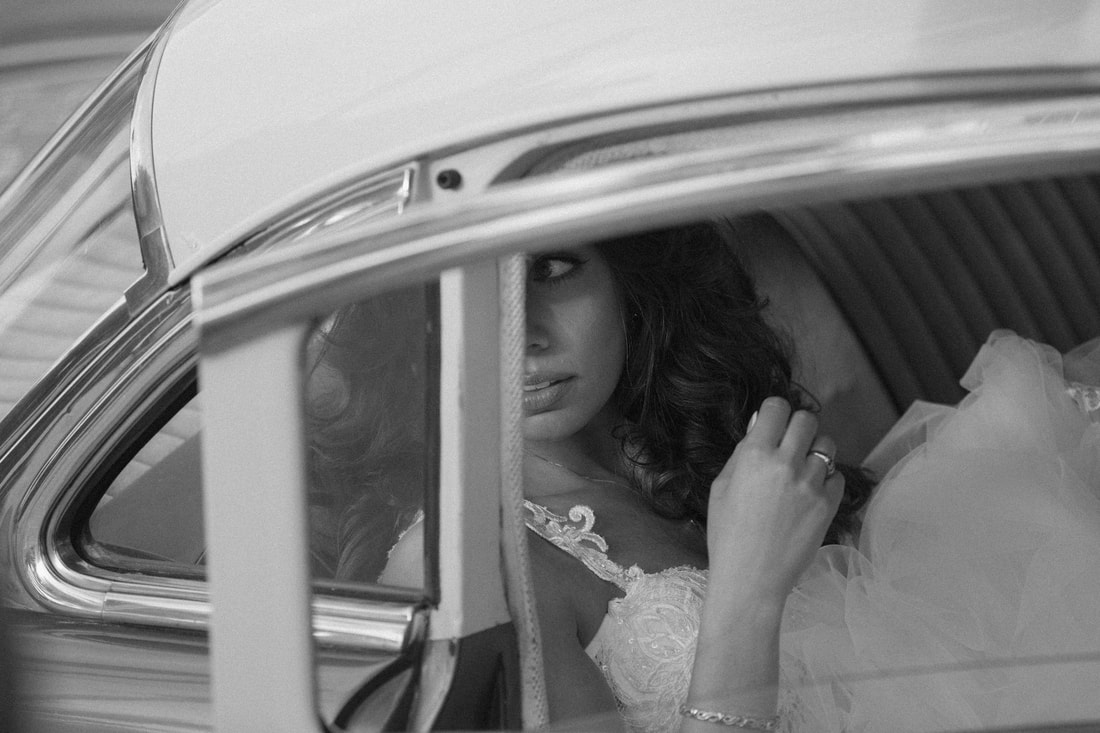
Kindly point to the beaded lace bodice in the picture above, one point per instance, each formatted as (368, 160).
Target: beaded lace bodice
(645, 645)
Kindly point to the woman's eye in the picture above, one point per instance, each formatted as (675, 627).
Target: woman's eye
(550, 269)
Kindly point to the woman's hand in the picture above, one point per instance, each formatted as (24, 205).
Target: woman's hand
(769, 509)
(771, 504)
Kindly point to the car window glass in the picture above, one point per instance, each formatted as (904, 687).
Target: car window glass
(68, 243)
(371, 409)
(152, 510)
(371, 386)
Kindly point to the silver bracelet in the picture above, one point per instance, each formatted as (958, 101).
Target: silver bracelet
(735, 721)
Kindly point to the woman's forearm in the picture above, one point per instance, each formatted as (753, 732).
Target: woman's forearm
(736, 666)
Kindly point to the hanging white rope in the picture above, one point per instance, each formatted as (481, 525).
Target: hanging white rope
(521, 595)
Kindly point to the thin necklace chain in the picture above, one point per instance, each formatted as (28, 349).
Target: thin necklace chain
(578, 475)
(695, 524)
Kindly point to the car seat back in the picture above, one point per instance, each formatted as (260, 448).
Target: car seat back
(919, 282)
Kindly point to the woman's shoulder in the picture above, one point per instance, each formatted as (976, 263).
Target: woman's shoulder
(567, 592)
(405, 565)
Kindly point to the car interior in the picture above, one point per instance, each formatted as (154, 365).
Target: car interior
(887, 300)
(904, 290)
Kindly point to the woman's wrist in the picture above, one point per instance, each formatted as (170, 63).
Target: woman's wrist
(748, 599)
(736, 666)
(733, 720)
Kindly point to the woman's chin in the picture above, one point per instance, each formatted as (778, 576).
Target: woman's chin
(549, 426)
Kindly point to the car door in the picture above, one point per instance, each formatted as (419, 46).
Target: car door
(416, 354)
(261, 312)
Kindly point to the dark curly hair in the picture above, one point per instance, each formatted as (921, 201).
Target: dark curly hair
(368, 421)
(700, 360)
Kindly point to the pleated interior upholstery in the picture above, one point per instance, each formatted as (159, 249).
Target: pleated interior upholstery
(923, 279)
(888, 300)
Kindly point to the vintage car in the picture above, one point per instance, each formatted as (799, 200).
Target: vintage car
(903, 177)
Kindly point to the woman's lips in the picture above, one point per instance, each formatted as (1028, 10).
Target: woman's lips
(543, 392)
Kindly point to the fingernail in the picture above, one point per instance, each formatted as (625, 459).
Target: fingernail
(752, 421)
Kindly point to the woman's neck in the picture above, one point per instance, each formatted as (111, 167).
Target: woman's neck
(591, 459)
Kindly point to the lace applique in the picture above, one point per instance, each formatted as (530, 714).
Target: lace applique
(1087, 398)
(559, 531)
(645, 646)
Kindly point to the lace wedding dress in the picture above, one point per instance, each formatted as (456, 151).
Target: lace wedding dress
(971, 600)
(646, 643)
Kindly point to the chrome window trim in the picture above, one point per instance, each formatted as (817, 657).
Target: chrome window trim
(306, 219)
(490, 161)
(155, 251)
(51, 570)
(63, 455)
(328, 211)
(634, 196)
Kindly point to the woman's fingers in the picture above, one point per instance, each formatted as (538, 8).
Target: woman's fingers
(776, 425)
(800, 435)
(791, 436)
(774, 500)
(794, 433)
(771, 422)
(821, 458)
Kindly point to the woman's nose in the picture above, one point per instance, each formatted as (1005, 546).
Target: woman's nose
(535, 342)
(538, 335)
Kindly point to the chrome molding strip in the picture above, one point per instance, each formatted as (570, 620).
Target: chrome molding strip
(59, 460)
(513, 154)
(155, 252)
(971, 145)
(386, 193)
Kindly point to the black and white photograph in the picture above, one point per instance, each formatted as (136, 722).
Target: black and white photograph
(556, 366)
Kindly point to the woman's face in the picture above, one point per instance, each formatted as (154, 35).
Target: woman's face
(576, 344)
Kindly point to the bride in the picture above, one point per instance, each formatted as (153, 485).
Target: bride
(699, 558)
(646, 361)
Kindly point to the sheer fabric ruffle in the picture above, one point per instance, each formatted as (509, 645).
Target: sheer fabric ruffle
(973, 596)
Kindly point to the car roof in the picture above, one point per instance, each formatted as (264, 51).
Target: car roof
(257, 105)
